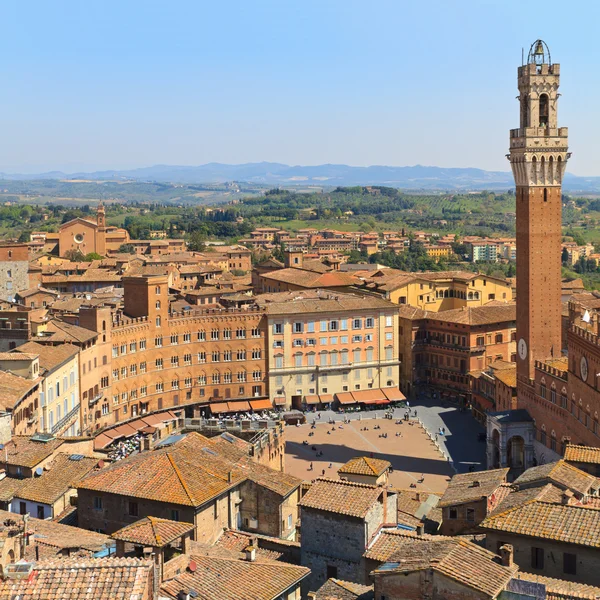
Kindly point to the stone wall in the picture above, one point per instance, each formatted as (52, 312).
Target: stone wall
(587, 559)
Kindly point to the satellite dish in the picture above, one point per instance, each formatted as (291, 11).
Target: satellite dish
(100, 463)
(1, 446)
(39, 471)
(192, 566)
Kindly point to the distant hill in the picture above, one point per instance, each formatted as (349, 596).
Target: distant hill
(266, 173)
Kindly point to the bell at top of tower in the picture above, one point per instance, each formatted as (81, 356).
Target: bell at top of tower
(539, 54)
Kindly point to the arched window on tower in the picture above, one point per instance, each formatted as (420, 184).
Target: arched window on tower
(544, 110)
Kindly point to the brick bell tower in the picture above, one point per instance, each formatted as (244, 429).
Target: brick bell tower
(538, 157)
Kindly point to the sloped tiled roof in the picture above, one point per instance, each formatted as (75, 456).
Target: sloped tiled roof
(232, 579)
(390, 541)
(560, 473)
(338, 589)
(516, 497)
(82, 579)
(13, 388)
(561, 589)
(190, 473)
(582, 454)
(460, 560)
(51, 357)
(152, 531)
(63, 473)
(551, 521)
(363, 465)
(341, 497)
(61, 331)
(23, 451)
(468, 487)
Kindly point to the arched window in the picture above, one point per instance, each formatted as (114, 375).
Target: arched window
(543, 388)
(158, 305)
(476, 295)
(544, 110)
(553, 394)
(470, 295)
(545, 194)
(543, 435)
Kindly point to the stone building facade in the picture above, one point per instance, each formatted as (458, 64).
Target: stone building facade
(14, 269)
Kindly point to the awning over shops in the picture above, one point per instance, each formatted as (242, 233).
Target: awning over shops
(345, 398)
(240, 405)
(370, 397)
(393, 394)
(126, 430)
(313, 399)
(146, 424)
(326, 398)
(264, 404)
(219, 407)
(279, 400)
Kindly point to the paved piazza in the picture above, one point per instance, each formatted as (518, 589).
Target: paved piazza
(412, 454)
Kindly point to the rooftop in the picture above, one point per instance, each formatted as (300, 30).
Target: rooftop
(51, 357)
(152, 531)
(468, 487)
(190, 473)
(551, 521)
(61, 474)
(81, 579)
(337, 589)
(582, 454)
(233, 579)
(363, 465)
(13, 388)
(29, 451)
(341, 497)
(562, 474)
(316, 301)
(458, 559)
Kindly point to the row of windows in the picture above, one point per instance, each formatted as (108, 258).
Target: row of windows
(331, 358)
(186, 360)
(332, 325)
(185, 338)
(332, 341)
(55, 389)
(215, 378)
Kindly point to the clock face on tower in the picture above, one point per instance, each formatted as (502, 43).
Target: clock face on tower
(522, 349)
(583, 368)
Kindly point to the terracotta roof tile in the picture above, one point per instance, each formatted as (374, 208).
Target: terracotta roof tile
(337, 589)
(25, 451)
(51, 357)
(62, 474)
(13, 388)
(560, 589)
(560, 473)
(152, 531)
(458, 559)
(550, 521)
(582, 454)
(81, 579)
(232, 579)
(468, 487)
(341, 497)
(363, 465)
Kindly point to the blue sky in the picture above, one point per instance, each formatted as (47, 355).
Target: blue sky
(120, 84)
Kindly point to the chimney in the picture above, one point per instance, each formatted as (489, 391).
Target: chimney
(506, 555)
(567, 497)
(250, 553)
(420, 529)
(229, 477)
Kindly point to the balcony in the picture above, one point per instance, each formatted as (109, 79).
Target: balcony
(95, 399)
(66, 420)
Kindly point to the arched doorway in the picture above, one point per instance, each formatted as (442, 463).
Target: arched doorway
(515, 452)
